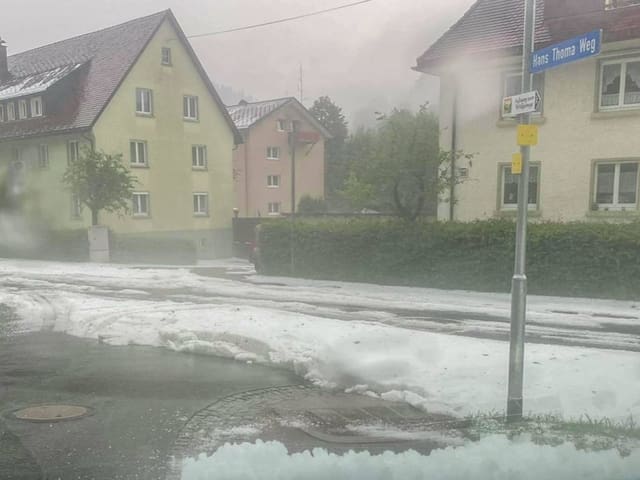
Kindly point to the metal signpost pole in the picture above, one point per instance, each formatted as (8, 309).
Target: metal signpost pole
(292, 146)
(519, 281)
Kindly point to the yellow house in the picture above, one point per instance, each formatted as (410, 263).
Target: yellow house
(137, 89)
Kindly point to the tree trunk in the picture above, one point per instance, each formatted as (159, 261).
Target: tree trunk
(94, 216)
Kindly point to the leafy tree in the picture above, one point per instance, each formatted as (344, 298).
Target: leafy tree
(331, 117)
(309, 204)
(398, 166)
(100, 181)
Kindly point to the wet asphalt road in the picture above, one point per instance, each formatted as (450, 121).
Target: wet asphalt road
(140, 399)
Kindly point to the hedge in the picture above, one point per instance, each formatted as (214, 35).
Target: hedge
(574, 259)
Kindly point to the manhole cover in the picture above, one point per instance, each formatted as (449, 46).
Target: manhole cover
(51, 413)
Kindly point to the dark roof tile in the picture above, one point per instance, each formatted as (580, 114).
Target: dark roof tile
(489, 25)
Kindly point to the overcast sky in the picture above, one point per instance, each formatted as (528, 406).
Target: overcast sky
(360, 56)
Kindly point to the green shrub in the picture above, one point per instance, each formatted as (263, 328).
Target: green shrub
(578, 259)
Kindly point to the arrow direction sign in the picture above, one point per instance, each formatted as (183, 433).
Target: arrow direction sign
(572, 50)
(520, 104)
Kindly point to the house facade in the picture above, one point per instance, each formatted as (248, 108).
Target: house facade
(587, 163)
(136, 89)
(263, 162)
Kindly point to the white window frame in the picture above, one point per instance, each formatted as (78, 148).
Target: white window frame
(507, 207)
(2, 114)
(146, 101)
(201, 204)
(615, 206)
(283, 125)
(23, 111)
(199, 157)
(273, 181)
(36, 107)
(136, 205)
(165, 59)
(271, 151)
(273, 209)
(73, 150)
(623, 80)
(43, 156)
(137, 162)
(11, 112)
(514, 73)
(190, 111)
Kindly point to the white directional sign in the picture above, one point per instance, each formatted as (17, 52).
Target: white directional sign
(520, 104)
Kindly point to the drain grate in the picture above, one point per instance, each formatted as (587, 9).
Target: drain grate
(51, 413)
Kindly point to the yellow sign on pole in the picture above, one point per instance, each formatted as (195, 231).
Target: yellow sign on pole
(527, 135)
(516, 164)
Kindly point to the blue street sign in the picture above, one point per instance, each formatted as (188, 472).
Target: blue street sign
(578, 48)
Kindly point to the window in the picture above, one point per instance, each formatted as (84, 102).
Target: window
(22, 109)
(73, 151)
(611, 4)
(36, 107)
(273, 153)
(284, 126)
(512, 85)
(138, 150)
(620, 85)
(43, 156)
(140, 204)
(201, 204)
(144, 101)
(76, 207)
(616, 185)
(190, 107)
(166, 56)
(509, 197)
(273, 181)
(2, 117)
(11, 111)
(273, 208)
(199, 156)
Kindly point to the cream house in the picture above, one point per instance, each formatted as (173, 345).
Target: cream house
(136, 89)
(586, 165)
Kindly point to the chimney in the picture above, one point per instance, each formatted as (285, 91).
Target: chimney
(4, 65)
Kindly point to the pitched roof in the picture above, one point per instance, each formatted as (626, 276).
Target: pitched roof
(36, 83)
(247, 114)
(106, 56)
(488, 26)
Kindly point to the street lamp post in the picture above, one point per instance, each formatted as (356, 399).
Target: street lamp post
(292, 149)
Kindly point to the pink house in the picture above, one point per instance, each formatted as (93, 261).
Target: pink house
(262, 165)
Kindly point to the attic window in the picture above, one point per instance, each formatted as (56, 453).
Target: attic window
(166, 56)
(22, 109)
(36, 107)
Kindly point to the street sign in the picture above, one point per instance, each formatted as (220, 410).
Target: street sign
(516, 164)
(519, 104)
(527, 135)
(574, 49)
